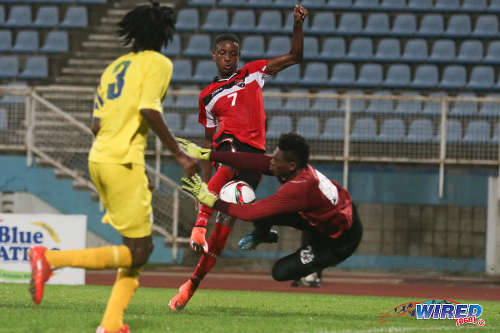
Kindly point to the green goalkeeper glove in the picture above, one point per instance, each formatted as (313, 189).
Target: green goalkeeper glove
(199, 189)
(194, 150)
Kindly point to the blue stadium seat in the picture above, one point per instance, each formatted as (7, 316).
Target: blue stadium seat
(463, 108)
(447, 5)
(443, 50)
(288, 76)
(278, 45)
(324, 104)
(232, 3)
(315, 73)
(270, 21)
(392, 130)
(380, 105)
(201, 3)
(2, 15)
(377, 24)
(311, 48)
(339, 4)
(9, 67)
(393, 4)
(366, 4)
(46, 17)
(308, 127)
(495, 140)
(91, 2)
(453, 131)
(453, 77)
(481, 78)
(273, 103)
(350, 23)
(182, 71)
(334, 129)
(4, 120)
(37, 67)
(12, 100)
(471, 51)
(420, 130)
(434, 107)
(398, 75)
(26, 42)
(192, 128)
(431, 25)
(364, 129)
(76, 17)
(409, 106)
(5, 41)
(252, 47)
(426, 76)
(474, 5)
(313, 4)
(388, 49)
(187, 102)
(459, 26)
(216, 20)
(486, 26)
(415, 50)
(477, 131)
(361, 49)
(19, 16)
(322, 23)
(243, 21)
(173, 121)
(205, 71)
(493, 53)
(284, 4)
(187, 20)
(420, 5)
(357, 104)
(174, 47)
(56, 42)
(279, 125)
(198, 46)
(490, 109)
(370, 75)
(297, 104)
(257, 3)
(343, 74)
(404, 25)
(288, 26)
(168, 102)
(494, 6)
(333, 48)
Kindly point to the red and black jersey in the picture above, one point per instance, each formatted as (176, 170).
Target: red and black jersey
(235, 105)
(322, 202)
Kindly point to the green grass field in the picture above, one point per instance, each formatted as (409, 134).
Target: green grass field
(73, 309)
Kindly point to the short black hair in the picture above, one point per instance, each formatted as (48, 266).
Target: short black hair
(224, 37)
(150, 27)
(294, 148)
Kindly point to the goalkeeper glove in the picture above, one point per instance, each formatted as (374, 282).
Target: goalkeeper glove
(199, 189)
(194, 150)
(198, 242)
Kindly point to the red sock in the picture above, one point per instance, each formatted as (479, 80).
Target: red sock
(216, 244)
(221, 177)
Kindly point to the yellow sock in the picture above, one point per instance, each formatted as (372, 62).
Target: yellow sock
(124, 288)
(96, 258)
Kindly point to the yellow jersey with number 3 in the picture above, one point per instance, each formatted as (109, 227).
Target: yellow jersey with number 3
(132, 82)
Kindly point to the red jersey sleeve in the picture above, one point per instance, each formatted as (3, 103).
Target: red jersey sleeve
(259, 66)
(288, 198)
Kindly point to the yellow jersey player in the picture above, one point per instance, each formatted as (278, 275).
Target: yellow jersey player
(128, 102)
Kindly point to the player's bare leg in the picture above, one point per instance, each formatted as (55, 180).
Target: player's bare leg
(216, 244)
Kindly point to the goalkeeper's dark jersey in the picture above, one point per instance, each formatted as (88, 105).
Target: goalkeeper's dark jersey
(322, 202)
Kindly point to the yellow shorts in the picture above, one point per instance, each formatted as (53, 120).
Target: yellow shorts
(123, 190)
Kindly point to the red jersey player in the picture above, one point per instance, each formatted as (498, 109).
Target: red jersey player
(231, 109)
(326, 213)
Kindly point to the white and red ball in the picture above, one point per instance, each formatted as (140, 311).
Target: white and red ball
(237, 192)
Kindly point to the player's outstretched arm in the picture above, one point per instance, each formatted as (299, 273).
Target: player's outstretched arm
(296, 53)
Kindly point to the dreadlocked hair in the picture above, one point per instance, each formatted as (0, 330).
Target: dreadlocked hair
(148, 27)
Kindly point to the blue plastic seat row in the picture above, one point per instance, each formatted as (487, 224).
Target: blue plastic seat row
(27, 41)
(36, 67)
(350, 23)
(48, 16)
(57, 2)
(192, 128)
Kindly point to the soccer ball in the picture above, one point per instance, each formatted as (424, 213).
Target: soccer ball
(237, 192)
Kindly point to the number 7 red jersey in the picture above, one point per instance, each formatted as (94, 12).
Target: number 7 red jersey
(235, 105)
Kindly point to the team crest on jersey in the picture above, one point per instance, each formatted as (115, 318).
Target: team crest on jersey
(240, 82)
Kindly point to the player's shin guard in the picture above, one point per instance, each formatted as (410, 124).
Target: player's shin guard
(221, 177)
(127, 281)
(216, 244)
(95, 258)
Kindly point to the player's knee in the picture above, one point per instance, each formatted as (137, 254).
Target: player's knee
(141, 252)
